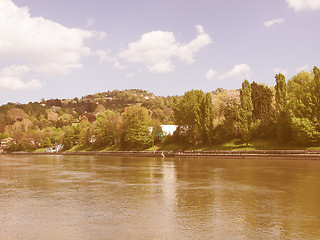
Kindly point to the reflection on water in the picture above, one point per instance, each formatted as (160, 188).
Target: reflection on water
(98, 197)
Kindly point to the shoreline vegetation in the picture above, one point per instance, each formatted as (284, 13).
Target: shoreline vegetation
(254, 118)
(274, 154)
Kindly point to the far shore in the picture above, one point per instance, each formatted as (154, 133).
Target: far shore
(216, 153)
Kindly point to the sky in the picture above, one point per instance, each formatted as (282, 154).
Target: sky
(71, 48)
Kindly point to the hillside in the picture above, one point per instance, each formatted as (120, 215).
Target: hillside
(286, 114)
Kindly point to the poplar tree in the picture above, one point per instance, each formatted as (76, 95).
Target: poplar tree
(281, 108)
(316, 94)
(262, 101)
(246, 111)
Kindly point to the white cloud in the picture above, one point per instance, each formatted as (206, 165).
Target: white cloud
(157, 49)
(302, 68)
(89, 22)
(280, 70)
(44, 46)
(239, 72)
(273, 22)
(210, 74)
(10, 79)
(99, 35)
(129, 75)
(117, 65)
(102, 55)
(299, 5)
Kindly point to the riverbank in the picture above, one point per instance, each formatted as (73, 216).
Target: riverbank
(217, 153)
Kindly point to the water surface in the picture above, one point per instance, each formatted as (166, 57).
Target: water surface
(102, 197)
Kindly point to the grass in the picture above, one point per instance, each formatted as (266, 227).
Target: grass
(154, 148)
(171, 146)
(254, 144)
(40, 150)
(232, 145)
(112, 148)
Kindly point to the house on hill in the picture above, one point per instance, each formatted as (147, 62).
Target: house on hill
(6, 141)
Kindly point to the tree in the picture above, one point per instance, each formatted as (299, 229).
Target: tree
(300, 95)
(281, 108)
(69, 138)
(264, 125)
(261, 97)
(246, 111)
(85, 134)
(206, 123)
(15, 114)
(136, 133)
(107, 129)
(226, 105)
(316, 95)
(304, 131)
(193, 114)
(303, 94)
(64, 120)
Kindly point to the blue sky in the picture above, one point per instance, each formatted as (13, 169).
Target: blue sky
(65, 49)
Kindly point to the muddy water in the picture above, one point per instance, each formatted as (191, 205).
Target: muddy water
(98, 197)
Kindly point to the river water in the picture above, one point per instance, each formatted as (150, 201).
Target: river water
(99, 197)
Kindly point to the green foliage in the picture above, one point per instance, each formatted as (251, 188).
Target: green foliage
(107, 129)
(304, 131)
(246, 111)
(316, 96)
(136, 133)
(282, 117)
(110, 119)
(193, 113)
(300, 95)
(85, 133)
(261, 97)
(69, 139)
(226, 112)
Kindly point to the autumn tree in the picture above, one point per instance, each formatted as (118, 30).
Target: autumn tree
(15, 114)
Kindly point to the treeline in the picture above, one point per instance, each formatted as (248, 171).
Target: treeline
(288, 112)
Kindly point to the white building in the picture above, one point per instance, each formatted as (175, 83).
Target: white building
(168, 130)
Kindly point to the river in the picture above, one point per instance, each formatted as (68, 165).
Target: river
(104, 197)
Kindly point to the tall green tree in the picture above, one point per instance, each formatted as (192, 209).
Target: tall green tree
(264, 125)
(206, 109)
(261, 96)
(137, 133)
(107, 129)
(69, 138)
(246, 111)
(281, 109)
(303, 98)
(316, 95)
(300, 95)
(226, 105)
(193, 115)
(85, 133)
